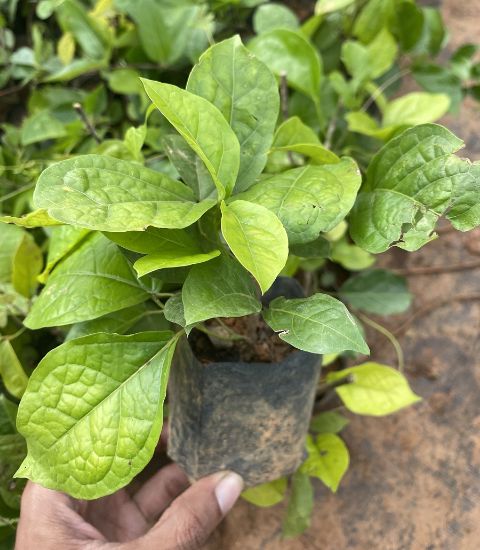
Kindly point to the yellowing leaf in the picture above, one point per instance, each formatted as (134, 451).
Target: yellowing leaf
(267, 494)
(11, 370)
(66, 48)
(328, 459)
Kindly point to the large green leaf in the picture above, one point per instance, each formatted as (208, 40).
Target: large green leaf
(219, 288)
(203, 127)
(375, 390)
(300, 506)
(246, 93)
(288, 52)
(318, 324)
(328, 459)
(93, 412)
(165, 248)
(411, 182)
(267, 494)
(11, 371)
(27, 265)
(94, 280)
(309, 199)
(377, 291)
(108, 194)
(257, 238)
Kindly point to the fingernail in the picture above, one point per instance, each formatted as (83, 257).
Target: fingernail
(228, 490)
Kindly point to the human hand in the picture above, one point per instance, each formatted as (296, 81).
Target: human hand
(165, 513)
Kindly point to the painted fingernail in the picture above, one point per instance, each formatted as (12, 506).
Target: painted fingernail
(228, 490)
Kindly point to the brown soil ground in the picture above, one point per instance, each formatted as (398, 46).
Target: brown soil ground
(414, 480)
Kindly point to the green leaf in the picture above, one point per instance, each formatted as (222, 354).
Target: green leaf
(174, 310)
(8, 415)
(118, 322)
(376, 390)
(351, 257)
(11, 239)
(108, 194)
(154, 262)
(41, 126)
(165, 28)
(245, 92)
(92, 38)
(274, 16)
(328, 422)
(87, 432)
(328, 459)
(203, 127)
(267, 494)
(415, 108)
(190, 166)
(288, 52)
(328, 6)
(62, 240)
(300, 506)
(318, 324)
(411, 182)
(309, 199)
(165, 248)
(27, 265)
(219, 288)
(94, 280)
(38, 218)
(319, 248)
(366, 63)
(257, 238)
(372, 19)
(11, 371)
(378, 291)
(76, 68)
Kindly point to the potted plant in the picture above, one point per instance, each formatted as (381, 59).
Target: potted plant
(205, 274)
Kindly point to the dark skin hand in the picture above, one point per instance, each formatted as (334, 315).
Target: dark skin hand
(165, 513)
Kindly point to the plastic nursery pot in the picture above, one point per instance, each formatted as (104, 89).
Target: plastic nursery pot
(251, 418)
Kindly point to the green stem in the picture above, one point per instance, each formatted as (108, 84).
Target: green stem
(382, 330)
(11, 337)
(213, 334)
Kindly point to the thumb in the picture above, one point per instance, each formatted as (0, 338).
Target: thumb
(193, 516)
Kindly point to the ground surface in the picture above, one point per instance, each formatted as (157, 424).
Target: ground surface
(414, 481)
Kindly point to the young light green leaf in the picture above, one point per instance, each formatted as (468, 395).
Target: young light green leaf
(309, 199)
(108, 194)
(62, 240)
(219, 288)
(257, 238)
(27, 265)
(87, 432)
(163, 260)
(328, 6)
(246, 93)
(300, 506)
(38, 218)
(11, 239)
(415, 108)
(268, 17)
(411, 182)
(203, 127)
(328, 422)
(318, 324)
(366, 63)
(11, 371)
(376, 390)
(377, 291)
(350, 256)
(328, 459)
(288, 52)
(94, 280)
(267, 494)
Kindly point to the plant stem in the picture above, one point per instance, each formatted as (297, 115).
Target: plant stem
(86, 122)
(390, 336)
(213, 334)
(233, 332)
(328, 386)
(11, 337)
(384, 87)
